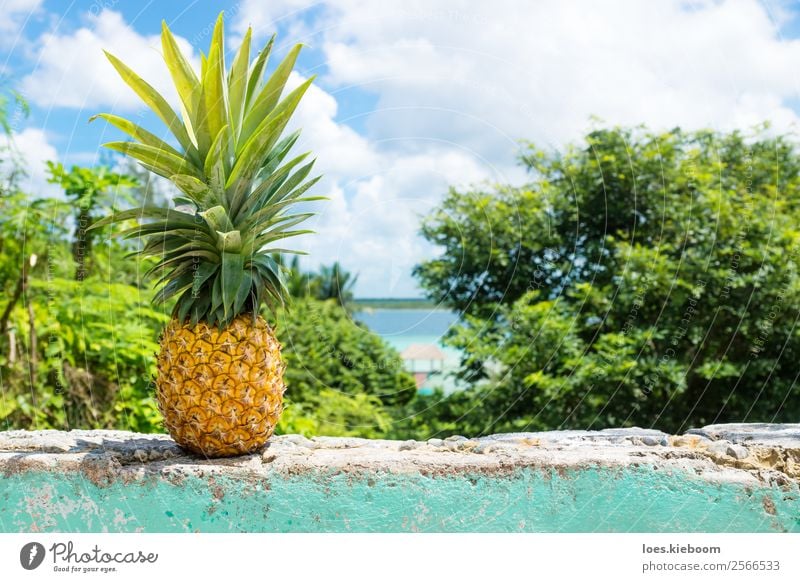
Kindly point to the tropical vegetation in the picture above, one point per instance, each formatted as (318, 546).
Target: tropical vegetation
(637, 278)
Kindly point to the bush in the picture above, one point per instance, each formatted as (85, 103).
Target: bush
(94, 359)
(641, 279)
(328, 353)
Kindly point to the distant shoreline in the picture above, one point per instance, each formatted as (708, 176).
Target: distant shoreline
(395, 303)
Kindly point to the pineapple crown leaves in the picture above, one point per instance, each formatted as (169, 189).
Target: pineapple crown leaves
(217, 257)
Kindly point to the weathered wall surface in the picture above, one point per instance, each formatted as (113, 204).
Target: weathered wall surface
(724, 478)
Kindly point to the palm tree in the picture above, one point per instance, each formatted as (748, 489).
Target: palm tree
(336, 283)
(331, 282)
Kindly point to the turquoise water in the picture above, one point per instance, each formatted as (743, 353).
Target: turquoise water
(403, 327)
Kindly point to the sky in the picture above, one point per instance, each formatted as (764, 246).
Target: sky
(413, 97)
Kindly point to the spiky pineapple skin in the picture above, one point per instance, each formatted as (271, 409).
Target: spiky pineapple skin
(220, 390)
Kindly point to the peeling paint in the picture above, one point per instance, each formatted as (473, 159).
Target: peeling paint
(602, 481)
(580, 500)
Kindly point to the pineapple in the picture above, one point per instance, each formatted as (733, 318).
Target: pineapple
(219, 383)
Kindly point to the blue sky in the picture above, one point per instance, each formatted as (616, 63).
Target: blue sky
(415, 96)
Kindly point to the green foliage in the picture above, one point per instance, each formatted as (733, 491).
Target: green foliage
(335, 283)
(342, 379)
(325, 349)
(330, 282)
(12, 168)
(642, 279)
(96, 189)
(80, 354)
(333, 413)
(89, 192)
(215, 258)
(31, 227)
(94, 362)
(21, 108)
(77, 344)
(638, 279)
(496, 244)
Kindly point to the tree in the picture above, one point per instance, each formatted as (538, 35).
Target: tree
(336, 283)
(12, 169)
(326, 349)
(639, 279)
(89, 190)
(330, 282)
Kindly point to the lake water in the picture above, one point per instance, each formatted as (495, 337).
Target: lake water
(403, 327)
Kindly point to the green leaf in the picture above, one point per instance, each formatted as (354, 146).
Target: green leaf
(216, 294)
(245, 289)
(257, 70)
(197, 190)
(174, 273)
(214, 82)
(269, 279)
(187, 256)
(184, 306)
(232, 276)
(279, 151)
(183, 75)
(154, 101)
(230, 242)
(274, 226)
(136, 132)
(192, 245)
(168, 164)
(276, 250)
(270, 94)
(218, 162)
(145, 212)
(273, 209)
(183, 201)
(217, 218)
(237, 83)
(265, 136)
(172, 288)
(162, 245)
(287, 187)
(199, 231)
(247, 163)
(244, 202)
(267, 265)
(203, 272)
(270, 236)
(172, 229)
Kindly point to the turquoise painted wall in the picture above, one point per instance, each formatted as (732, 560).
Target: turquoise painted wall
(635, 499)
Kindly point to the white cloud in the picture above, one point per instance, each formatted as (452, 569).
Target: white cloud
(483, 75)
(72, 71)
(377, 196)
(266, 17)
(457, 83)
(340, 149)
(13, 16)
(33, 149)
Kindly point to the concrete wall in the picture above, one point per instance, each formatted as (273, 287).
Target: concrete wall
(725, 478)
